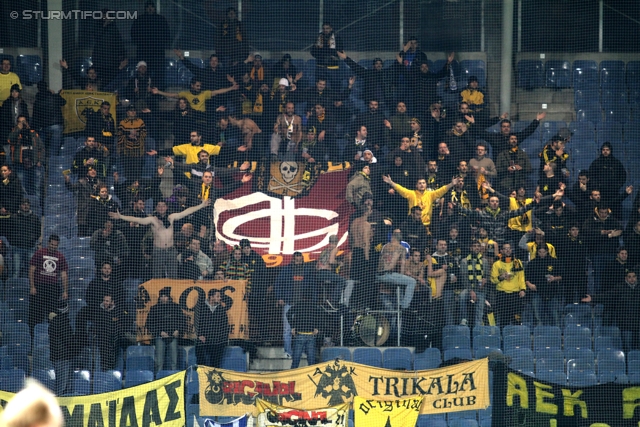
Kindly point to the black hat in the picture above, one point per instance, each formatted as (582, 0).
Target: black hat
(165, 292)
(16, 87)
(245, 243)
(473, 79)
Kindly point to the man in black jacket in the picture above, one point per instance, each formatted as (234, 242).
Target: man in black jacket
(500, 141)
(166, 323)
(47, 117)
(26, 227)
(63, 347)
(212, 330)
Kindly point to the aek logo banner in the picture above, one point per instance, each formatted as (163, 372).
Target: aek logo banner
(284, 225)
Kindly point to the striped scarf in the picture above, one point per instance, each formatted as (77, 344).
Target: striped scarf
(475, 269)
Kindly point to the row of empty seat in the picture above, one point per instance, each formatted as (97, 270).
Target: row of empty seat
(581, 74)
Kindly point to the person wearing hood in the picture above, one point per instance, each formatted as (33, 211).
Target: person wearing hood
(212, 330)
(602, 232)
(166, 323)
(359, 185)
(13, 107)
(607, 174)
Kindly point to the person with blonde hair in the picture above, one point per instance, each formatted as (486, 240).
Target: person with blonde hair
(34, 406)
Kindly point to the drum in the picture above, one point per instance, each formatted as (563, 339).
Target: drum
(372, 329)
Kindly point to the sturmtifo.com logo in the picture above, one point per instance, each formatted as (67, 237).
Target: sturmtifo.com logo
(74, 14)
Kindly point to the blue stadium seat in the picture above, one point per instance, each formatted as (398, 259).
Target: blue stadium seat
(432, 420)
(614, 99)
(481, 352)
(16, 357)
(456, 330)
(17, 287)
(585, 74)
(486, 341)
(511, 342)
(46, 377)
(521, 359)
(486, 330)
(581, 379)
(607, 331)
(580, 354)
(611, 366)
(234, 351)
(577, 341)
(581, 314)
(612, 75)
(310, 71)
(431, 358)
(29, 69)
(547, 337)
(134, 378)
(368, 356)
(12, 380)
(607, 343)
(172, 73)
(105, 382)
(397, 358)
(456, 341)
(234, 364)
(591, 114)
(616, 115)
(81, 383)
(632, 75)
(41, 357)
(549, 360)
(17, 334)
(584, 98)
(192, 384)
(573, 330)
(549, 129)
(557, 74)
(461, 415)
(631, 132)
(530, 74)
(332, 353)
(473, 67)
(460, 353)
(140, 363)
(462, 422)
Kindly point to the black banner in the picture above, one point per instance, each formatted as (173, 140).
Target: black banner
(523, 401)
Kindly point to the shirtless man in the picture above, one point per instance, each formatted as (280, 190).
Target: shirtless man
(247, 127)
(391, 268)
(288, 128)
(165, 263)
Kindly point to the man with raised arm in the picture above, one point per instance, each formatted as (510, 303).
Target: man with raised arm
(421, 196)
(164, 262)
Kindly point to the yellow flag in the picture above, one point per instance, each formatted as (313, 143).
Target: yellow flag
(386, 413)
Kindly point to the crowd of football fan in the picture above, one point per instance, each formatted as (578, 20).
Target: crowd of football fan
(448, 211)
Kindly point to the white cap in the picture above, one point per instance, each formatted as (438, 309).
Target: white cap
(284, 82)
(140, 64)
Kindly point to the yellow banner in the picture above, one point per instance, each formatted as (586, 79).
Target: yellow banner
(159, 402)
(386, 413)
(189, 294)
(81, 103)
(272, 415)
(459, 387)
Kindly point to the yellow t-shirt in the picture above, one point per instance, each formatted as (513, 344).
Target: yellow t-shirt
(424, 200)
(197, 101)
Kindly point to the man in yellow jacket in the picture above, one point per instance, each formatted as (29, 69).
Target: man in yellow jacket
(421, 196)
(507, 274)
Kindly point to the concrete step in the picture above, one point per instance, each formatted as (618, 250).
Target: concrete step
(544, 95)
(272, 365)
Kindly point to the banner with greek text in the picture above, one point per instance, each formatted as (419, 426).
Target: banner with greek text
(386, 413)
(525, 401)
(159, 402)
(192, 295)
(460, 387)
(80, 104)
(272, 415)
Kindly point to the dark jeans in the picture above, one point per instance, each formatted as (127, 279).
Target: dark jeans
(306, 343)
(209, 354)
